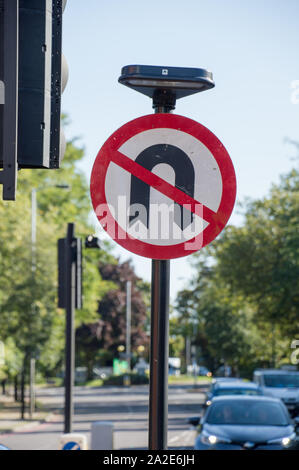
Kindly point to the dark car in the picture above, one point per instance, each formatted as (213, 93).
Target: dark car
(251, 422)
(232, 387)
(217, 380)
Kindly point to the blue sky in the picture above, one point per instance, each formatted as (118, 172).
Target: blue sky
(250, 46)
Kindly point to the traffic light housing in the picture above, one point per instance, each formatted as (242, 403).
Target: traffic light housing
(33, 74)
(40, 83)
(69, 253)
(92, 242)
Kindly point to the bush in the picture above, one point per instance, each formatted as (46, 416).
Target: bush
(135, 379)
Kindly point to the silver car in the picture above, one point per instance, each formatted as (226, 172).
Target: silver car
(281, 384)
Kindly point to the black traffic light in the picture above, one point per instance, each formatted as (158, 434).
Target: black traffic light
(33, 74)
(41, 72)
(92, 242)
(69, 253)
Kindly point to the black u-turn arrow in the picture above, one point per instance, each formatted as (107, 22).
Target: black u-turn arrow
(184, 180)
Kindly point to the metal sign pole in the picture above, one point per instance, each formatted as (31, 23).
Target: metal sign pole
(158, 399)
(158, 405)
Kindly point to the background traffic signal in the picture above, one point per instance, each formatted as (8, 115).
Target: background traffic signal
(91, 241)
(69, 253)
(33, 74)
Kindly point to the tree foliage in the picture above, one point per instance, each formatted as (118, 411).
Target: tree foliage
(29, 317)
(264, 254)
(104, 336)
(244, 298)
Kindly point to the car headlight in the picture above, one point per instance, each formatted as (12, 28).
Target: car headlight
(284, 441)
(211, 439)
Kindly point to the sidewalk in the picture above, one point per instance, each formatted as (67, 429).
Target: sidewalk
(10, 415)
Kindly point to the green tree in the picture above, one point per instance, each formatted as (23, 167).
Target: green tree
(28, 300)
(216, 321)
(261, 258)
(245, 293)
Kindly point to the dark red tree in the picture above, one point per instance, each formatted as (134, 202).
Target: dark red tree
(109, 331)
(112, 308)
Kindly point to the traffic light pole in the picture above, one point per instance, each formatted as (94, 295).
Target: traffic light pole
(70, 337)
(69, 298)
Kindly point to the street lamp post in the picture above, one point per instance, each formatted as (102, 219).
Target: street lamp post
(128, 322)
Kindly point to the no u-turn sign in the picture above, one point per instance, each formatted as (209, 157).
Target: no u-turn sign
(163, 186)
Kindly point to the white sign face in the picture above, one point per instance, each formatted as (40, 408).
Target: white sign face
(163, 186)
(162, 228)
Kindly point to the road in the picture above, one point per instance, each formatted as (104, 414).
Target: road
(126, 408)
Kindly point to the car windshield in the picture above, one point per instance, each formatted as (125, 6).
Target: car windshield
(237, 391)
(281, 380)
(247, 412)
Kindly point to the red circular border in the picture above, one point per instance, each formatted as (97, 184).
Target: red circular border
(172, 121)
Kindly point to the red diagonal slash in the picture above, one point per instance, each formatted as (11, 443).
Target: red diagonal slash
(167, 189)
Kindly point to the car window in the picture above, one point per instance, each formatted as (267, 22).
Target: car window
(246, 412)
(257, 380)
(281, 380)
(237, 391)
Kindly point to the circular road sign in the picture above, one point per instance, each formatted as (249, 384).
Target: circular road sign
(163, 186)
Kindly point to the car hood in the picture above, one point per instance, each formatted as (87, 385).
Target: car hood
(245, 433)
